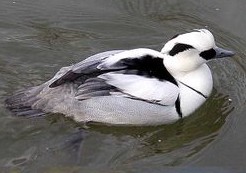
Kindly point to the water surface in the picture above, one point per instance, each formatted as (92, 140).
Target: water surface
(39, 37)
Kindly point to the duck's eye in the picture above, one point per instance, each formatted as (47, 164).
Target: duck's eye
(179, 48)
(208, 54)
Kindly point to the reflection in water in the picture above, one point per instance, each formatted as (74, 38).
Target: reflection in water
(169, 144)
(166, 145)
(119, 147)
(21, 160)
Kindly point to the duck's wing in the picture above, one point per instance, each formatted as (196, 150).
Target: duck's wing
(136, 73)
(85, 67)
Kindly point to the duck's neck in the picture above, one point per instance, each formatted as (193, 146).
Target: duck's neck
(195, 86)
(199, 79)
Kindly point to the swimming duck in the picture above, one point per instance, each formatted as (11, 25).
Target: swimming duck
(129, 87)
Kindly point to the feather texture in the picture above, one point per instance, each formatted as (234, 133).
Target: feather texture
(138, 86)
(150, 89)
(137, 73)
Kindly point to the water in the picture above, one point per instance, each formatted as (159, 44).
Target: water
(39, 37)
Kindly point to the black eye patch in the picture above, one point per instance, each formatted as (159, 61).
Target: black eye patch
(208, 54)
(180, 48)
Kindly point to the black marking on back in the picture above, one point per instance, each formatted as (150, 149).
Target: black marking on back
(94, 87)
(178, 107)
(196, 30)
(79, 78)
(180, 48)
(69, 76)
(175, 36)
(148, 66)
(208, 54)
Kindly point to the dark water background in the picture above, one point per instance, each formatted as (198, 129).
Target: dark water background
(38, 37)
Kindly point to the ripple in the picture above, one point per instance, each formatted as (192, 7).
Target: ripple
(23, 159)
(39, 37)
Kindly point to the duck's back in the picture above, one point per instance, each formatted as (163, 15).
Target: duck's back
(60, 95)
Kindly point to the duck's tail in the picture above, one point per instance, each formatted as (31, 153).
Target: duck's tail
(20, 103)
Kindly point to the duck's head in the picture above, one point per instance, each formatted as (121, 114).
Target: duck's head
(188, 51)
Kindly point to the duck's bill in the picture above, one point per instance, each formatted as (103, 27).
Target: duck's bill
(221, 53)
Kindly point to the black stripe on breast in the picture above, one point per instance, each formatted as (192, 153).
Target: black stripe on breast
(179, 48)
(178, 107)
(148, 66)
(198, 92)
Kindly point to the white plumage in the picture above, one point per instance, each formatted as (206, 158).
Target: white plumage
(137, 87)
(148, 89)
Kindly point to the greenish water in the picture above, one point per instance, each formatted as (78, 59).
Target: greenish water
(39, 37)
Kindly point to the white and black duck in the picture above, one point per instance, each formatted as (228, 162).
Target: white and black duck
(132, 87)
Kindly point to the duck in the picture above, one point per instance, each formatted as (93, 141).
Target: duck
(139, 86)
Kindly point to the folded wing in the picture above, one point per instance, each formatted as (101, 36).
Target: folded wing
(137, 74)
